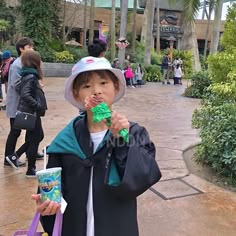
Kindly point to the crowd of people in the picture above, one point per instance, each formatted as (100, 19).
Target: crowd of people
(108, 171)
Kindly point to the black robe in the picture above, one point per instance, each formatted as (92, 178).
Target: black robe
(121, 172)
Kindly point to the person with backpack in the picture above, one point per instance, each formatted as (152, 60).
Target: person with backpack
(129, 75)
(7, 60)
(1, 95)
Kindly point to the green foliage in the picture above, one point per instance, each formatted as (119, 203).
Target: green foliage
(138, 57)
(228, 38)
(218, 132)
(199, 83)
(36, 20)
(64, 57)
(7, 21)
(47, 54)
(77, 53)
(156, 59)
(152, 73)
(222, 65)
(186, 57)
(4, 25)
(216, 118)
(12, 49)
(203, 62)
(56, 45)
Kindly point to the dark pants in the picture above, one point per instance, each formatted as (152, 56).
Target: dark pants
(34, 137)
(30, 139)
(12, 140)
(128, 82)
(139, 83)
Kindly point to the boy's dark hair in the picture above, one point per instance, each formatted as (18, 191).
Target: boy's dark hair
(84, 77)
(97, 48)
(21, 43)
(32, 59)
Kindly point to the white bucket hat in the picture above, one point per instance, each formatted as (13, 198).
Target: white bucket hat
(92, 64)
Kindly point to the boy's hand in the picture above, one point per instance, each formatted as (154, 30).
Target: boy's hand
(118, 122)
(45, 208)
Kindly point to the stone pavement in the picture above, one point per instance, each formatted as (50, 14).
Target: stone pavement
(180, 204)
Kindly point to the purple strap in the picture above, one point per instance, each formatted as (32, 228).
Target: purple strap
(56, 229)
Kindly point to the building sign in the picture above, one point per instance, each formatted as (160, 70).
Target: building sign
(167, 30)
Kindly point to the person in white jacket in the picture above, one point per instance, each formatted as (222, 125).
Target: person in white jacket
(178, 74)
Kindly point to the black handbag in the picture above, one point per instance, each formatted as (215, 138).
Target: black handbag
(24, 120)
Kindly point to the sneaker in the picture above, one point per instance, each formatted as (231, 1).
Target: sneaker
(168, 82)
(20, 163)
(13, 161)
(31, 173)
(39, 156)
(163, 82)
(3, 107)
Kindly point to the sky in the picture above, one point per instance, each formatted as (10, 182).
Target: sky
(224, 12)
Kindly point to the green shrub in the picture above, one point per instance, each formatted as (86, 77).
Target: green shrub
(64, 57)
(218, 134)
(77, 52)
(12, 49)
(199, 83)
(186, 57)
(152, 73)
(47, 54)
(56, 45)
(156, 59)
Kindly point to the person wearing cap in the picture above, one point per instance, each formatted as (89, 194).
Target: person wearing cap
(101, 173)
(7, 60)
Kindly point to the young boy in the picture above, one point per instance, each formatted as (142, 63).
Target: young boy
(101, 174)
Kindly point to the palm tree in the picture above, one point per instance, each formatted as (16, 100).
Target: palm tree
(208, 15)
(85, 23)
(123, 23)
(150, 5)
(157, 27)
(215, 36)
(134, 26)
(91, 22)
(189, 39)
(113, 29)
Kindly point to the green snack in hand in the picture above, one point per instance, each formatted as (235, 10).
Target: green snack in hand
(101, 112)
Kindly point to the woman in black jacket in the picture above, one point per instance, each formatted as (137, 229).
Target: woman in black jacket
(32, 100)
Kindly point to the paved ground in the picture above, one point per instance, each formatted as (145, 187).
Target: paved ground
(180, 204)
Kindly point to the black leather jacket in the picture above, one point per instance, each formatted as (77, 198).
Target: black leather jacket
(32, 98)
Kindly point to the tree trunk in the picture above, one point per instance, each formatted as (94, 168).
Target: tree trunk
(113, 30)
(158, 27)
(150, 5)
(85, 22)
(215, 36)
(203, 9)
(189, 42)
(91, 22)
(144, 26)
(134, 26)
(123, 23)
(207, 30)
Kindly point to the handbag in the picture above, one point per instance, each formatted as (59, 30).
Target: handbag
(24, 120)
(34, 224)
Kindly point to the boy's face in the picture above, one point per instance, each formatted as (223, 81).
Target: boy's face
(102, 87)
(26, 48)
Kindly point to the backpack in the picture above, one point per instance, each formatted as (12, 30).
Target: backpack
(129, 73)
(5, 70)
